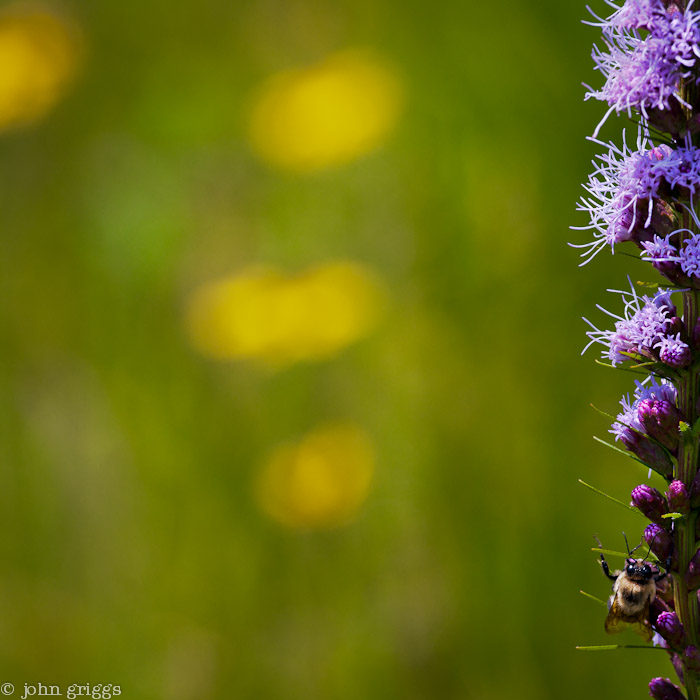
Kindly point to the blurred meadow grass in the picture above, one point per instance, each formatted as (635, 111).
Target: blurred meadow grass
(292, 401)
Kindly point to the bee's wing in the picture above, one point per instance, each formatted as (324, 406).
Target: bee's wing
(616, 621)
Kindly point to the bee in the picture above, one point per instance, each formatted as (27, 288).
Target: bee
(634, 590)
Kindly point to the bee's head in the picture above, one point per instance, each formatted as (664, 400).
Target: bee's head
(638, 569)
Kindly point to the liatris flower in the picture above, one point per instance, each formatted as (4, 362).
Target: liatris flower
(648, 427)
(663, 689)
(677, 496)
(645, 331)
(623, 189)
(644, 74)
(651, 502)
(660, 419)
(659, 540)
(670, 628)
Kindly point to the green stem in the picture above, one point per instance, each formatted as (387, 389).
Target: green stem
(684, 528)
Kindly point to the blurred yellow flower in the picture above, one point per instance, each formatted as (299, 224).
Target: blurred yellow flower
(263, 314)
(320, 482)
(326, 115)
(38, 56)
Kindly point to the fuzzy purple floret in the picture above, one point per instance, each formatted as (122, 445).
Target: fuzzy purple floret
(643, 73)
(621, 191)
(646, 322)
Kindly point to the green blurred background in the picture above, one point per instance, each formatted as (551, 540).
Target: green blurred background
(134, 550)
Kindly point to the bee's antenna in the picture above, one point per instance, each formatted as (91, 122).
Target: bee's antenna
(650, 546)
(626, 543)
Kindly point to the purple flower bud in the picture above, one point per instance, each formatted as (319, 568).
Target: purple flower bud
(660, 419)
(670, 628)
(692, 575)
(659, 540)
(651, 502)
(663, 689)
(673, 351)
(691, 658)
(678, 499)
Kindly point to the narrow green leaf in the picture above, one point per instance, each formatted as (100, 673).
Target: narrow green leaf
(647, 285)
(639, 365)
(614, 500)
(622, 369)
(672, 516)
(631, 456)
(621, 451)
(603, 413)
(608, 647)
(612, 553)
(592, 597)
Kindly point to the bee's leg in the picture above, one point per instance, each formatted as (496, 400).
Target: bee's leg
(661, 577)
(604, 564)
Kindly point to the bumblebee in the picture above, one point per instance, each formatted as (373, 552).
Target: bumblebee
(634, 590)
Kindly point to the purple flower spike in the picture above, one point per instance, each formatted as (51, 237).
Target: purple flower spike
(663, 689)
(692, 575)
(659, 540)
(651, 502)
(670, 628)
(678, 499)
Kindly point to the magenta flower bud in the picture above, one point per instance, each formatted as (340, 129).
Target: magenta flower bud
(678, 499)
(660, 419)
(670, 628)
(692, 575)
(674, 352)
(651, 502)
(663, 689)
(659, 540)
(691, 659)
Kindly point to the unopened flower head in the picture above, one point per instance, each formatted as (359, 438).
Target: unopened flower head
(663, 689)
(670, 628)
(659, 540)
